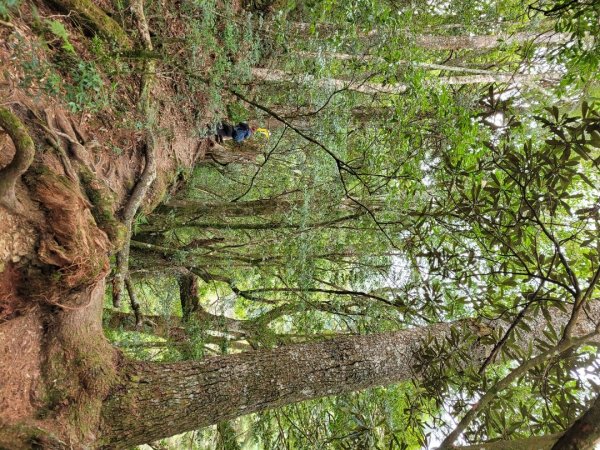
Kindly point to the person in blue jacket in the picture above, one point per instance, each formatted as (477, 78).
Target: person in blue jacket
(238, 133)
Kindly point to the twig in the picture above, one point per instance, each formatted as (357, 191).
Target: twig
(517, 320)
(6, 24)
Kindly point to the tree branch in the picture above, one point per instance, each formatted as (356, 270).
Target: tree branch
(506, 381)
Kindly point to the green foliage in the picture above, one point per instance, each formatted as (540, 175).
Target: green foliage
(78, 81)
(87, 90)
(59, 30)
(370, 212)
(221, 49)
(7, 5)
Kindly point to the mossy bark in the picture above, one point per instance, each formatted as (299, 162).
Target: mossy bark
(97, 20)
(24, 153)
(148, 175)
(103, 206)
(158, 400)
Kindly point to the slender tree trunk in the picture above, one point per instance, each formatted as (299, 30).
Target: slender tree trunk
(433, 42)
(278, 76)
(172, 327)
(250, 208)
(443, 42)
(372, 58)
(188, 295)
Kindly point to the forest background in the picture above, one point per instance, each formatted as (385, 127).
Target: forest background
(425, 213)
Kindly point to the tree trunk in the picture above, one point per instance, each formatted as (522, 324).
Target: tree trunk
(374, 58)
(96, 20)
(158, 400)
(266, 206)
(178, 211)
(443, 42)
(279, 76)
(432, 42)
(188, 295)
(245, 153)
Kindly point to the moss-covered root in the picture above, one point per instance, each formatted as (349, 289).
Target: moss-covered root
(103, 205)
(97, 20)
(149, 173)
(24, 152)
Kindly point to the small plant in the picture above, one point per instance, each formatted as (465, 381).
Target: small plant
(59, 30)
(77, 80)
(116, 150)
(87, 90)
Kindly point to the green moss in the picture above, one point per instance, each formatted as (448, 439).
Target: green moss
(103, 207)
(24, 436)
(25, 151)
(97, 20)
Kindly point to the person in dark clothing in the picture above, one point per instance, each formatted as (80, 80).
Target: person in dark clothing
(238, 133)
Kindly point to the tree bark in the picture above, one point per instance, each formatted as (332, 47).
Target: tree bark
(532, 443)
(188, 295)
(96, 19)
(433, 42)
(374, 58)
(447, 42)
(173, 398)
(158, 400)
(249, 208)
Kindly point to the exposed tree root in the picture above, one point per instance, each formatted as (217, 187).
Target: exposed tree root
(96, 19)
(24, 153)
(77, 168)
(71, 243)
(149, 172)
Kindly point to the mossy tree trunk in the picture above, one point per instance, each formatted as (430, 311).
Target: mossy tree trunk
(96, 19)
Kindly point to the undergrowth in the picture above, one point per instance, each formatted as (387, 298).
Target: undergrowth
(223, 47)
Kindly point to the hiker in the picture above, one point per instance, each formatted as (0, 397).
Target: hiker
(238, 133)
